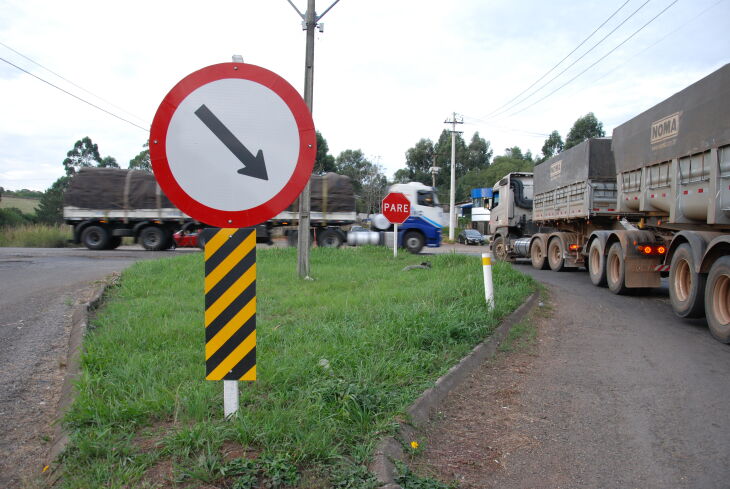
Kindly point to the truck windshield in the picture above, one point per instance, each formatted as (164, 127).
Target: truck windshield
(427, 198)
(495, 199)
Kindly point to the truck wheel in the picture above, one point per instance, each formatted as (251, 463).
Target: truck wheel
(95, 237)
(555, 255)
(154, 238)
(717, 299)
(615, 272)
(537, 255)
(686, 286)
(413, 241)
(597, 264)
(499, 249)
(329, 238)
(114, 242)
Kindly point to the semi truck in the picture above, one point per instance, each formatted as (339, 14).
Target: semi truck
(103, 205)
(651, 202)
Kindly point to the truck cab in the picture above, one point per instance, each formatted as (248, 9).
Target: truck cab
(511, 212)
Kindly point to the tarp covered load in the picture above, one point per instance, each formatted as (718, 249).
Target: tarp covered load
(329, 193)
(115, 189)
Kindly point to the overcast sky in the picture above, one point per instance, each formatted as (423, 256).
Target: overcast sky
(387, 73)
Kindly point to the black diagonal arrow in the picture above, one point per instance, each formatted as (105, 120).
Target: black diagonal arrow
(253, 166)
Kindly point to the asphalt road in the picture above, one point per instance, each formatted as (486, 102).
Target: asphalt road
(619, 393)
(39, 288)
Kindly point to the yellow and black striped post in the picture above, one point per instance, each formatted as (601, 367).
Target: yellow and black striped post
(230, 304)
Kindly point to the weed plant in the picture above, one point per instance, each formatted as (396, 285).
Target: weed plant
(339, 359)
(35, 236)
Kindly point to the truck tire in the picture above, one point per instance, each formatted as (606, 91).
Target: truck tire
(154, 238)
(114, 242)
(597, 264)
(499, 249)
(292, 238)
(717, 299)
(329, 238)
(555, 255)
(413, 241)
(615, 270)
(537, 256)
(95, 237)
(686, 286)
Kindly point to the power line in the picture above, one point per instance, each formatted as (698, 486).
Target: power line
(69, 81)
(574, 62)
(596, 62)
(74, 96)
(681, 26)
(559, 62)
(502, 128)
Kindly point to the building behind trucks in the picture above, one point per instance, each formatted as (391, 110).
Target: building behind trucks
(103, 205)
(656, 205)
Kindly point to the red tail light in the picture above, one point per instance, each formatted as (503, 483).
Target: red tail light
(574, 247)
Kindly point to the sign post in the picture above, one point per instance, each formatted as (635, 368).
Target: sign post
(396, 209)
(232, 145)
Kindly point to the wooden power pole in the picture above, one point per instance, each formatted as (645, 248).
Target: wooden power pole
(309, 23)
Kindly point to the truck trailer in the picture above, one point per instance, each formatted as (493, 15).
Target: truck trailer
(103, 205)
(651, 202)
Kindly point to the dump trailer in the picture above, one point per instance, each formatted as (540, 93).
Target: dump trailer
(652, 202)
(673, 167)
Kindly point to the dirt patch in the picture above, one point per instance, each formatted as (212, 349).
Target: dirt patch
(481, 424)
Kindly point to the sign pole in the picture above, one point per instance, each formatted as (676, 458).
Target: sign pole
(395, 240)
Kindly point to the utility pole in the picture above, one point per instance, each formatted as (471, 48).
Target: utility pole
(452, 193)
(309, 23)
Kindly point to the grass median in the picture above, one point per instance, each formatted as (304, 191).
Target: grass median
(339, 359)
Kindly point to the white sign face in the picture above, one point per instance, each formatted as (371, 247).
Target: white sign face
(232, 144)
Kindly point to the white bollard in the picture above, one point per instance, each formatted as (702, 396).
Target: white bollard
(395, 240)
(488, 286)
(230, 398)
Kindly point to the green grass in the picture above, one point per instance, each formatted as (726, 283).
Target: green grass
(35, 236)
(339, 359)
(27, 206)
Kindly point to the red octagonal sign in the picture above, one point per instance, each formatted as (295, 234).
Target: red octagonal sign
(396, 207)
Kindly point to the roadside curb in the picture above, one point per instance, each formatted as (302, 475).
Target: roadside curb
(390, 449)
(79, 324)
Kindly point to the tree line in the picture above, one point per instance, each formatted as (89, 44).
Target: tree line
(427, 162)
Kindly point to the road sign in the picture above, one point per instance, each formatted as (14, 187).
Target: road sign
(232, 145)
(230, 304)
(396, 207)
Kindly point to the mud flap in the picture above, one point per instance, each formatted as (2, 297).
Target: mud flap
(640, 272)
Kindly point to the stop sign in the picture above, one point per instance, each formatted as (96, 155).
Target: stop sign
(396, 207)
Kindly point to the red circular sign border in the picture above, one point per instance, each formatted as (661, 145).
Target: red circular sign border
(394, 194)
(255, 215)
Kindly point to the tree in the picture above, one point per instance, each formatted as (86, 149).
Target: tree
(419, 159)
(478, 153)
(50, 207)
(585, 127)
(324, 162)
(142, 160)
(368, 180)
(84, 154)
(553, 145)
(109, 162)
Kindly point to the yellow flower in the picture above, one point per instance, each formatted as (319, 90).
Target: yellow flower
(414, 445)
(45, 468)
